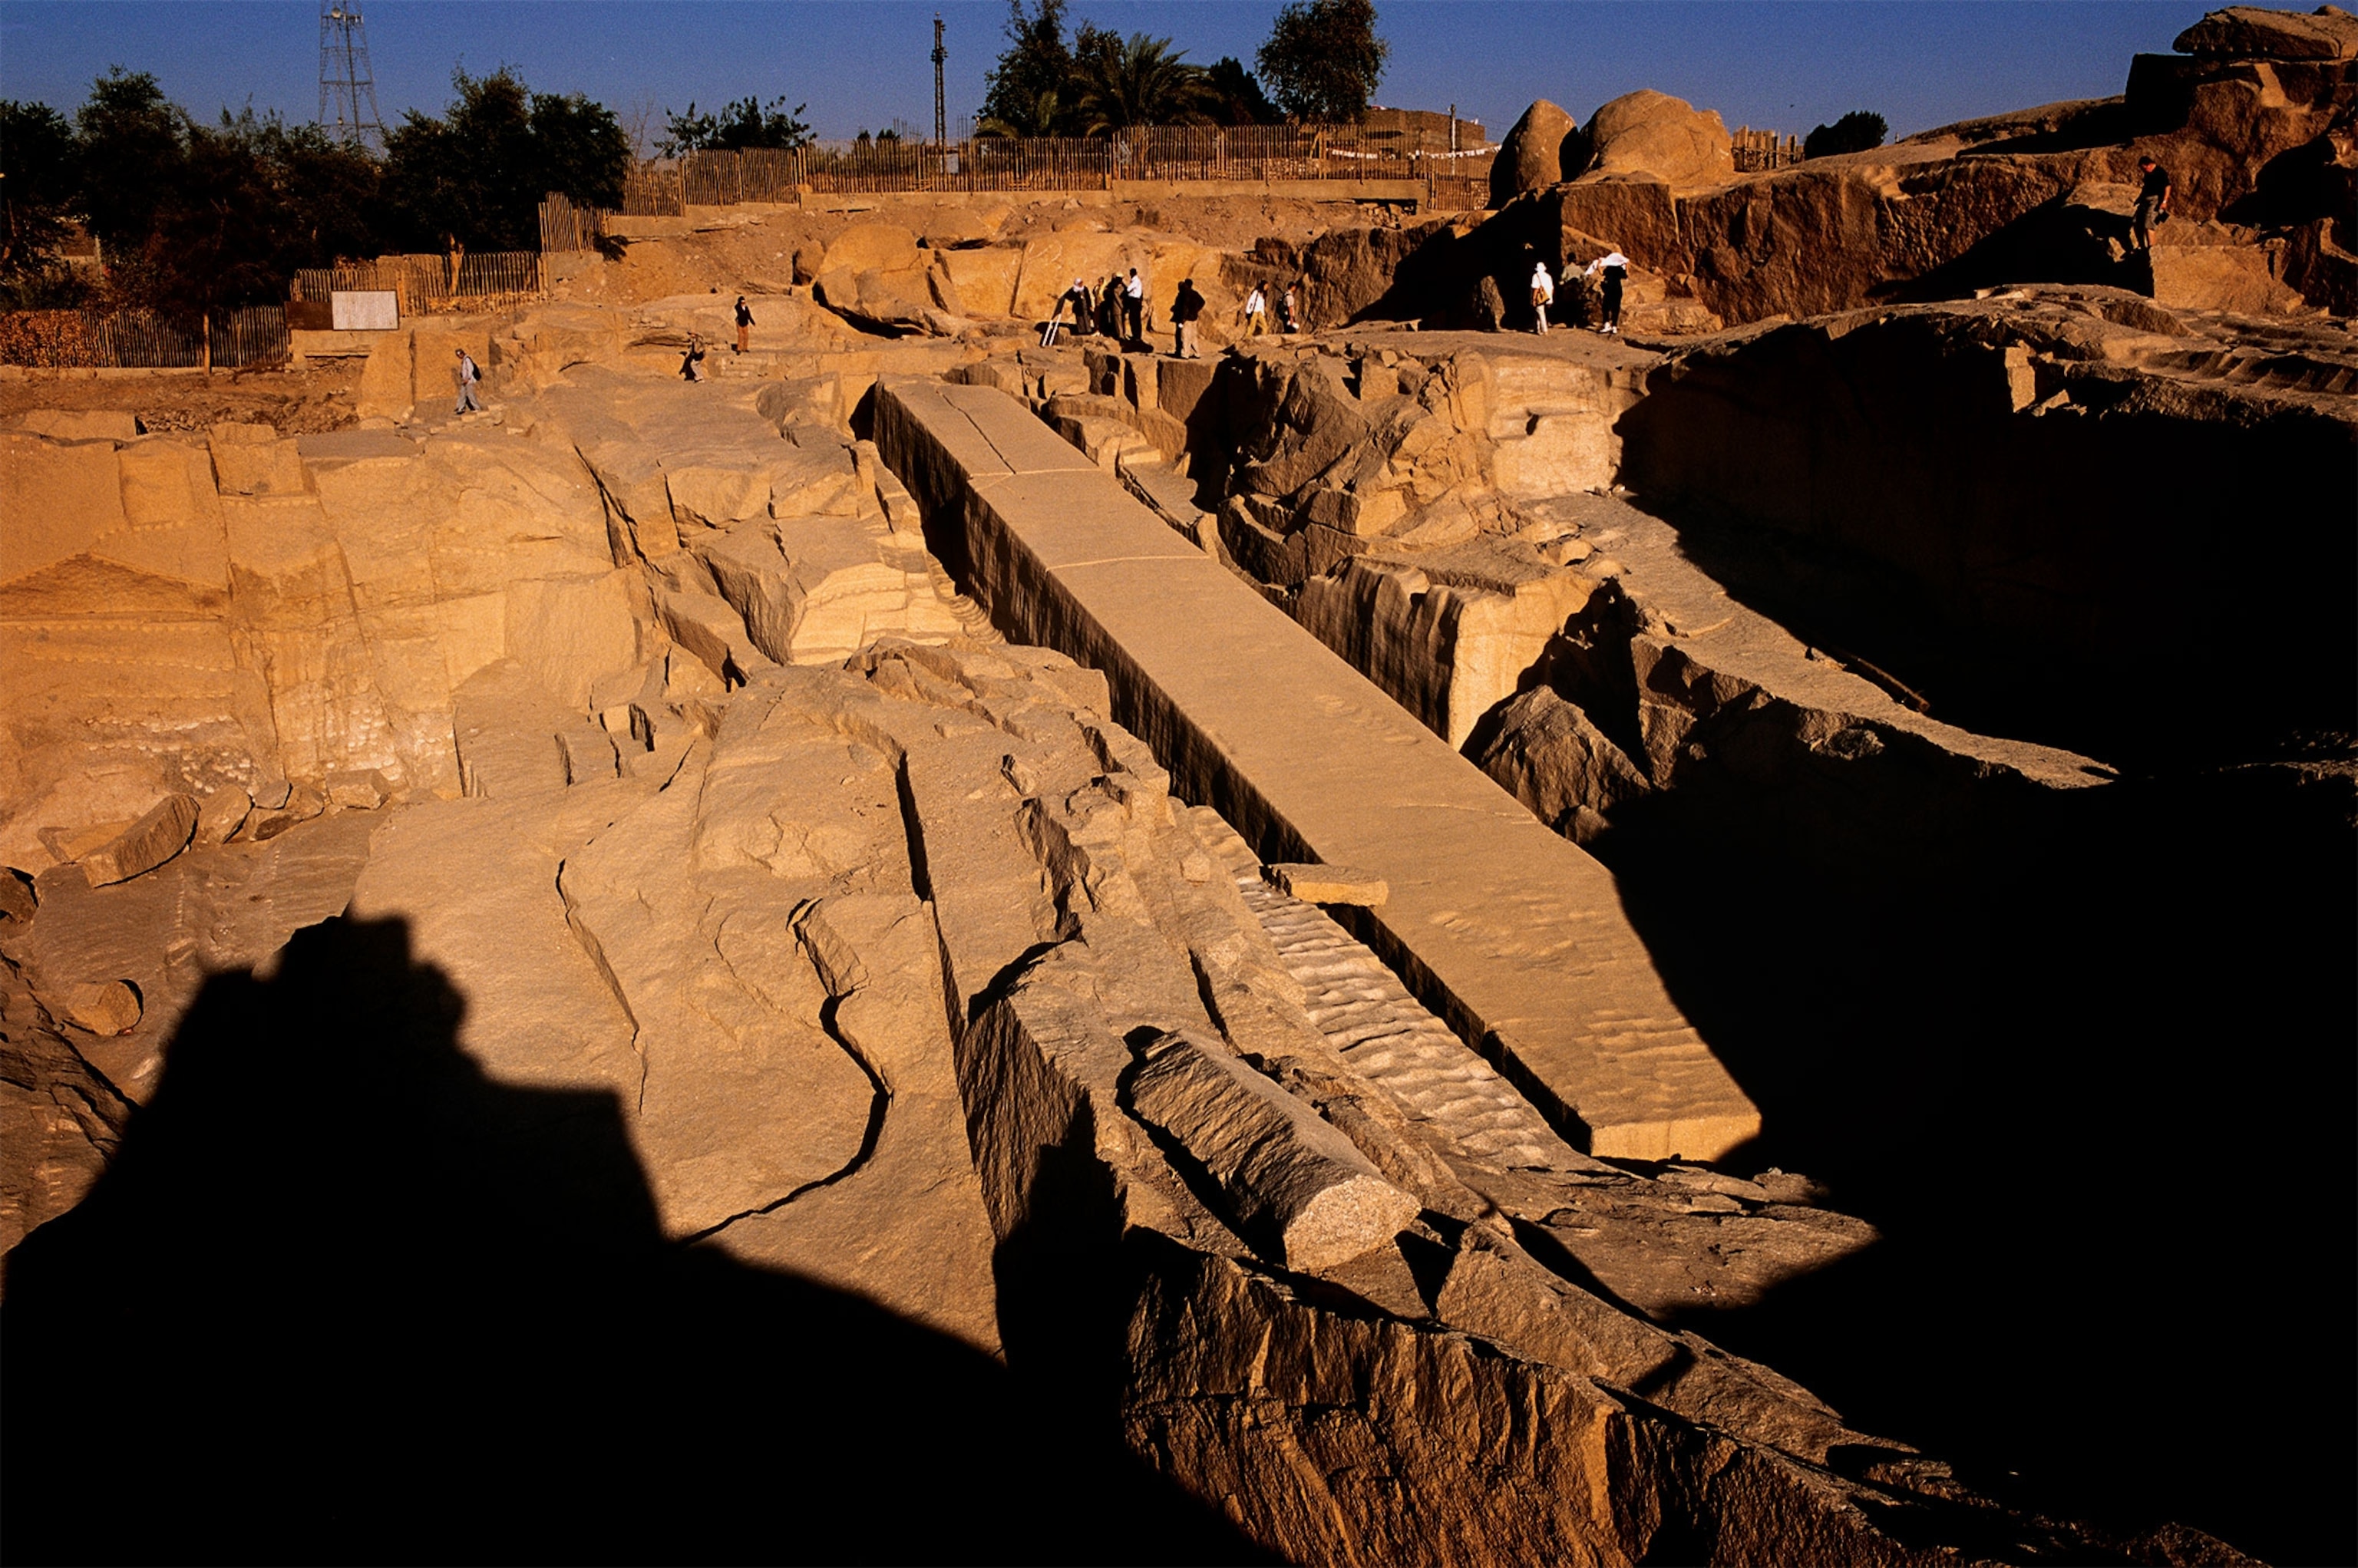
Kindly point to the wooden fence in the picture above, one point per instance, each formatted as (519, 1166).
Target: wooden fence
(565, 227)
(1253, 153)
(242, 339)
(1759, 151)
(422, 283)
(1457, 192)
(257, 335)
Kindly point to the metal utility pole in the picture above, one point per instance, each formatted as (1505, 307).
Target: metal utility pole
(941, 118)
(345, 83)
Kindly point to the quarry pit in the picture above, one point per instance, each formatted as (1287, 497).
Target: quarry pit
(1413, 941)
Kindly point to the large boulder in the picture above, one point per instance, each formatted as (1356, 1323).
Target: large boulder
(1649, 134)
(872, 247)
(875, 275)
(984, 276)
(1534, 154)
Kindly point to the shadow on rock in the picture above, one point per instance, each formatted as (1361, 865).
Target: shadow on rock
(2091, 1076)
(342, 1298)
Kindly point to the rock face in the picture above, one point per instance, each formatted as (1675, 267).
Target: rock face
(2020, 561)
(1652, 136)
(319, 629)
(1532, 156)
(1663, 682)
(1376, 490)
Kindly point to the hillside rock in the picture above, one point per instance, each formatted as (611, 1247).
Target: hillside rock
(2256, 141)
(2254, 32)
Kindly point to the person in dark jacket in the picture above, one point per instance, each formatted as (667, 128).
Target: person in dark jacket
(1077, 300)
(744, 326)
(1184, 311)
(1612, 270)
(691, 367)
(2153, 203)
(1109, 308)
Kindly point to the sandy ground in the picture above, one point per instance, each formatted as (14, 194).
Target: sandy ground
(296, 402)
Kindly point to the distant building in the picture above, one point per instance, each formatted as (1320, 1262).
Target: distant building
(1426, 130)
(77, 246)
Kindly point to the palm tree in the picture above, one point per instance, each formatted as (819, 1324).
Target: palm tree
(1136, 81)
(1036, 118)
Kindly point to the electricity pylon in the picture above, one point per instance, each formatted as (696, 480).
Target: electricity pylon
(346, 87)
(941, 120)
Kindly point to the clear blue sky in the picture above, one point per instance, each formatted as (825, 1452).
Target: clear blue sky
(1782, 64)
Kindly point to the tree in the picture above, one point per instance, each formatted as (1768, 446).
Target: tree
(579, 149)
(1031, 92)
(335, 188)
(1323, 60)
(1135, 81)
(1856, 131)
(253, 201)
(190, 217)
(1236, 94)
(479, 171)
(133, 144)
(746, 123)
(39, 179)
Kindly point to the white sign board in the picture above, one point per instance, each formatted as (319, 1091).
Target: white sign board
(364, 310)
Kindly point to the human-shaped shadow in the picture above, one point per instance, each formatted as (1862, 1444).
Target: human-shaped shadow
(342, 1298)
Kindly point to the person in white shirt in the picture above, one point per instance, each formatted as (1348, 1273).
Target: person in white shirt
(1133, 309)
(1256, 312)
(1542, 294)
(1615, 268)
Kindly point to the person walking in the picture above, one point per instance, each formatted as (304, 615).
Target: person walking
(1133, 310)
(1256, 312)
(1109, 308)
(1543, 295)
(2152, 203)
(1184, 309)
(1612, 269)
(691, 367)
(1286, 319)
(469, 377)
(744, 326)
